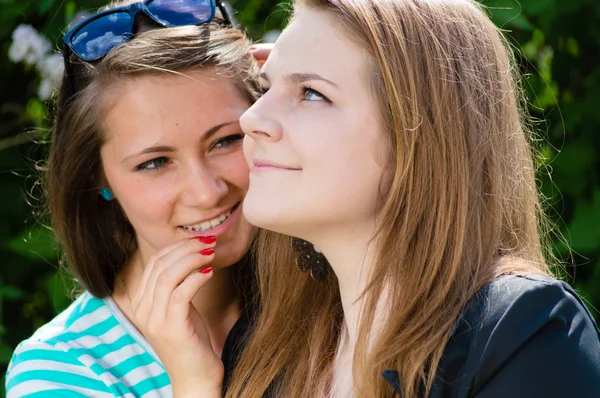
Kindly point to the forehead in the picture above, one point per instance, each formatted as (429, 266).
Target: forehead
(315, 41)
(153, 106)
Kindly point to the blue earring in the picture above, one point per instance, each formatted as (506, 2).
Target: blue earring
(106, 194)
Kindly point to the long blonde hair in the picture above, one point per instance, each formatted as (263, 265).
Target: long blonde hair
(463, 207)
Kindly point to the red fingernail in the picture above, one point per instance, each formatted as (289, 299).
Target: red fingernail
(252, 48)
(206, 239)
(206, 270)
(207, 252)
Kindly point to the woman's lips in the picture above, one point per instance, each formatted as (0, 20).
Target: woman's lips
(220, 229)
(260, 165)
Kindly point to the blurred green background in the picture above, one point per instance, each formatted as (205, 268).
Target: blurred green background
(558, 45)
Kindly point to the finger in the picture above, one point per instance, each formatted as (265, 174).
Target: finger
(169, 280)
(148, 269)
(261, 51)
(189, 247)
(145, 294)
(180, 308)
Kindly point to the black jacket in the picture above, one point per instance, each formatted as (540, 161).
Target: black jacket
(520, 337)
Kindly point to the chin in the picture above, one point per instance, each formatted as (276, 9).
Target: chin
(263, 215)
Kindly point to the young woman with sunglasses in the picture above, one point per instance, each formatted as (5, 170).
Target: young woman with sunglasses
(145, 183)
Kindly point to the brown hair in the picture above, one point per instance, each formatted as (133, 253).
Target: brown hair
(95, 235)
(463, 206)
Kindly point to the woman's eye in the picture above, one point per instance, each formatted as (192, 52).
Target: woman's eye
(313, 95)
(228, 141)
(153, 164)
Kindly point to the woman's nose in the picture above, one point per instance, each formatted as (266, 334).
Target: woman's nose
(203, 188)
(259, 122)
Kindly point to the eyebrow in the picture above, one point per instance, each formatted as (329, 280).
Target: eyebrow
(301, 78)
(168, 149)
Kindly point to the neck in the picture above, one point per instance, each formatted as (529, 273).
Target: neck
(351, 254)
(217, 302)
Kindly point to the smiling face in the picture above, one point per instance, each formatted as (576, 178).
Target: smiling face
(315, 140)
(173, 160)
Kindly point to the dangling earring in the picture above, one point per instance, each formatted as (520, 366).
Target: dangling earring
(310, 259)
(106, 194)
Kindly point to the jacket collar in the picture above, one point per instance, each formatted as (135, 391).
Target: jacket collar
(392, 377)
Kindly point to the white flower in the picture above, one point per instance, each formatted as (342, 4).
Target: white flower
(28, 45)
(51, 67)
(271, 36)
(46, 89)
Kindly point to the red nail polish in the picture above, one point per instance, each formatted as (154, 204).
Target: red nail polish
(206, 270)
(207, 252)
(206, 239)
(252, 48)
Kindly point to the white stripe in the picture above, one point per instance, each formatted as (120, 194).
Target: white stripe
(88, 320)
(108, 378)
(42, 364)
(109, 337)
(33, 345)
(120, 355)
(85, 298)
(166, 391)
(32, 386)
(142, 373)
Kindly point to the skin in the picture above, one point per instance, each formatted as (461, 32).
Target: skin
(317, 152)
(172, 158)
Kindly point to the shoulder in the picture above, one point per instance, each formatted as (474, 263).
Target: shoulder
(523, 305)
(48, 361)
(531, 332)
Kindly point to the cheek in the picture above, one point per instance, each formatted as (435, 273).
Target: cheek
(248, 146)
(146, 200)
(233, 169)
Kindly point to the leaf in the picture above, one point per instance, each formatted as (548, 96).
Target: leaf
(59, 287)
(509, 13)
(35, 244)
(11, 292)
(37, 111)
(44, 5)
(584, 230)
(538, 7)
(5, 354)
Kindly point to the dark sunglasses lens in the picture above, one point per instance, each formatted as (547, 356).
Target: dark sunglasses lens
(182, 12)
(101, 35)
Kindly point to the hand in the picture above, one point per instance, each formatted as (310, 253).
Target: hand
(261, 52)
(163, 310)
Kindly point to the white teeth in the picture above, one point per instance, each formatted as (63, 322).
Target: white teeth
(206, 225)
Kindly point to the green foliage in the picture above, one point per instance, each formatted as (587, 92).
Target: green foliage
(559, 42)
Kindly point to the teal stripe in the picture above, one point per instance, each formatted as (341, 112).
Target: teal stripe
(57, 377)
(59, 392)
(151, 384)
(94, 330)
(102, 350)
(126, 366)
(48, 355)
(80, 310)
(119, 389)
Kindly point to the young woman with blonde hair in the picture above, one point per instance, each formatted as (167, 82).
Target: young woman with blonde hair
(392, 135)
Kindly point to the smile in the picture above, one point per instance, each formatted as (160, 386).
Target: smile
(210, 224)
(265, 165)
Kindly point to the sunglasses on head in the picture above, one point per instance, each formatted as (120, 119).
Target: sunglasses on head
(93, 38)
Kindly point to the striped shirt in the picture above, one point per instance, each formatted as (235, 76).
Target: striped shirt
(89, 350)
